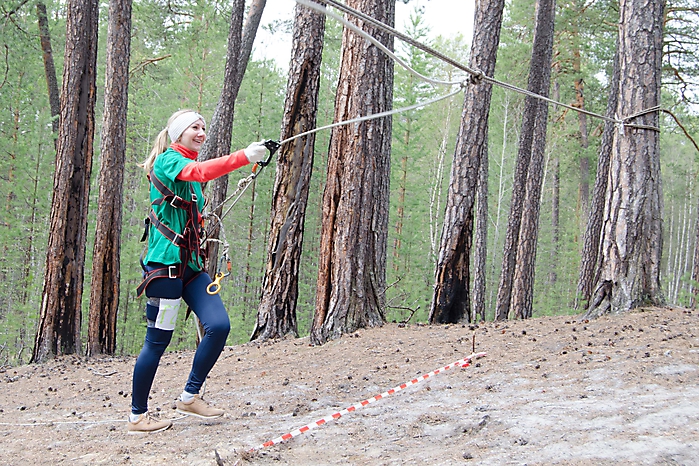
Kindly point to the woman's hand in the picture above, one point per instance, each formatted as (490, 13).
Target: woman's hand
(256, 152)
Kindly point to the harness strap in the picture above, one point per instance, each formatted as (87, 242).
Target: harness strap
(174, 237)
(169, 196)
(172, 271)
(188, 241)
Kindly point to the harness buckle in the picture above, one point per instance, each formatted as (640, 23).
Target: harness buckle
(170, 273)
(194, 197)
(176, 201)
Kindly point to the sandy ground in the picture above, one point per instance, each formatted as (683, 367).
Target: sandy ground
(620, 390)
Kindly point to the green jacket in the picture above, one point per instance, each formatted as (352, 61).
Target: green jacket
(167, 166)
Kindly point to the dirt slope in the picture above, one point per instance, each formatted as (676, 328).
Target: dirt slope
(620, 390)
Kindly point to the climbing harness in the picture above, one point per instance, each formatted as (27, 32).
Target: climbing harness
(194, 237)
(215, 286)
(188, 241)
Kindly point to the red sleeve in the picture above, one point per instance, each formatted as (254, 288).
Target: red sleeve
(212, 169)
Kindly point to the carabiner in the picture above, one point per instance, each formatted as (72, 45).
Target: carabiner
(215, 286)
(272, 146)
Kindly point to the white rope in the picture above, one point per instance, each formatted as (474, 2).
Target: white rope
(371, 39)
(52, 423)
(244, 183)
(373, 116)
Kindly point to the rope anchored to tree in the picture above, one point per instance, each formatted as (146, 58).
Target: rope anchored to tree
(476, 76)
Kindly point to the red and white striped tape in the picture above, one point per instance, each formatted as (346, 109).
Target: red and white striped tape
(465, 362)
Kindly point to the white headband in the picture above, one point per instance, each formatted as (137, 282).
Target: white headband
(181, 123)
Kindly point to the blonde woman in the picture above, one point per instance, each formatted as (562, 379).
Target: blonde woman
(173, 265)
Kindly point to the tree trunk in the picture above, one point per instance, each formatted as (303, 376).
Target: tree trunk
(450, 300)
(59, 325)
(695, 268)
(438, 183)
(540, 67)
(354, 232)
(631, 244)
(276, 316)
(481, 254)
(584, 191)
(591, 240)
(29, 257)
(539, 79)
(552, 277)
(218, 142)
(49, 67)
(400, 207)
(104, 290)
(252, 23)
(579, 85)
(499, 208)
(523, 290)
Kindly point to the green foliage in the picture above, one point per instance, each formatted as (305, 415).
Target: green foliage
(26, 167)
(681, 50)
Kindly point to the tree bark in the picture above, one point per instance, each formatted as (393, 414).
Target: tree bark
(252, 23)
(540, 66)
(218, 142)
(584, 191)
(579, 85)
(631, 244)
(481, 254)
(552, 277)
(539, 80)
(59, 325)
(591, 240)
(104, 290)
(354, 232)
(276, 315)
(450, 300)
(49, 67)
(400, 207)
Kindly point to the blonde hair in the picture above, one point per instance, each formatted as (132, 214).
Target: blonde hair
(161, 143)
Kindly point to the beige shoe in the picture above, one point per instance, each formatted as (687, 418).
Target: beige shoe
(198, 407)
(147, 425)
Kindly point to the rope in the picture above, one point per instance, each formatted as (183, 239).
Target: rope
(373, 116)
(244, 183)
(51, 423)
(371, 39)
(242, 186)
(476, 75)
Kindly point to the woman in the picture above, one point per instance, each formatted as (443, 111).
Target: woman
(173, 264)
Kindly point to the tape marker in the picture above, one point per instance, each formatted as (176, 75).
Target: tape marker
(463, 363)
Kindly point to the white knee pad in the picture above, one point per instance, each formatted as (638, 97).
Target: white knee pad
(167, 312)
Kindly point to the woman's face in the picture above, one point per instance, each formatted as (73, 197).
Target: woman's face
(194, 136)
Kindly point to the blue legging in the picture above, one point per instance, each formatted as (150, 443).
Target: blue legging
(213, 317)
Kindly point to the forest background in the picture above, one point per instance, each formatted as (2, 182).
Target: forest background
(178, 54)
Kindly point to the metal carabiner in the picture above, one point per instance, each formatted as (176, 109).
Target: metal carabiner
(272, 146)
(215, 286)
